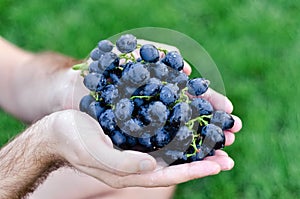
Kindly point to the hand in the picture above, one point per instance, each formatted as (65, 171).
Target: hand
(80, 141)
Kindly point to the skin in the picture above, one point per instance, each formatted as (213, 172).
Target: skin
(70, 146)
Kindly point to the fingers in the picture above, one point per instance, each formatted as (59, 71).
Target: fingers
(102, 154)
(218, 101)
(237, 124)
(169, 175)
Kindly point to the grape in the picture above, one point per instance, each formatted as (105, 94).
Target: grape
(151, 88)
(213, 136)
(161, 137)
(118, 138)
(108, 59)
(169, 94)
(85, 102)
(126, 43)
(124, 109)
(148, 104)
(96, 54)
(109, 94)
(94, 67)
(149, 53)
(105, 46)
(136, 75)
(174, 60)
(180, 114)
(201, 106)
(159, 70)
(145, 141)
(132, 127)
(95, 109)
(107, 120)
(94, 82)
(197, 86)
(155, 114)
(222, 119)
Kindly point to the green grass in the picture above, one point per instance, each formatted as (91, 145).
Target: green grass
(255, 45)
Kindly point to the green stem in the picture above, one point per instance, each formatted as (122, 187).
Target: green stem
(141, 97)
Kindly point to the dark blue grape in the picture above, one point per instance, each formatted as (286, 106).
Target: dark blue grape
(169, 94)
(178, 78)
(95, 109)
(118, 139)
(105, 46)
(126, 43)
(213, 137)
(132, 127)
(136, 75)
(222, 119)
(124, 109)
(96, 54)
(180, 114)
(151, 88)
(155, 114)
(159, 70)
(145, 141)
(197, 86)
(182, 139)
(85, 102)
(174, 60)
(94, 67)
(201, 107)
(108, 61)
(161, 138)
(109, 94)
(107, 121)
(149, 53)
(94, 82)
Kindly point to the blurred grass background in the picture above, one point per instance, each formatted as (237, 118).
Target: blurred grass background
(255, 44)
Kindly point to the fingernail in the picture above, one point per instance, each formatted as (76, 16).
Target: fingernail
(146, 165)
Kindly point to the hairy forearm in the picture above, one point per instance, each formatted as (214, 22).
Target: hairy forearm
(30, 83)
(26, 161)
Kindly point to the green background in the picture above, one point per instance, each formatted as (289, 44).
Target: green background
(255, 44)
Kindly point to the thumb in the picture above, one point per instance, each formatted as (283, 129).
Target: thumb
(103, 155)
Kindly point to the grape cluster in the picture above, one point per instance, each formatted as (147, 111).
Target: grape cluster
(148, 104)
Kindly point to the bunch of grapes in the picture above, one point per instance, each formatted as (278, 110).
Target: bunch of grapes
(148, 104)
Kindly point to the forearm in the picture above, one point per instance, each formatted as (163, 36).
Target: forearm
(26, 161)
(31, 85)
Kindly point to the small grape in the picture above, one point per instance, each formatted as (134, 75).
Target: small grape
(169, 94)
(201, 106)
(96, 54)
(107, 121)
(95, 109)
(174, 60)
(108, 60)
(155, 114)
(197, 86)
(213, 137)
(159, 70)
(149, 53)
(94, 67)
(109, 94)
(222, 119)
(124, 109)
(94, 82)
(118, 138)
(126, 43)
(161, 137)
(105, 46)
(85, 102)
(137, 74)
(180, 114)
